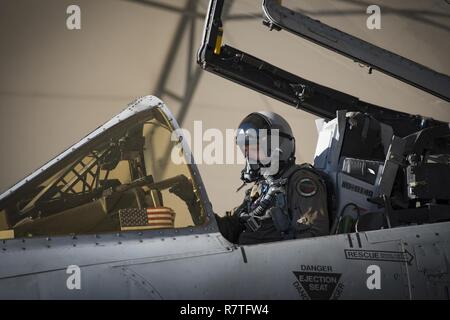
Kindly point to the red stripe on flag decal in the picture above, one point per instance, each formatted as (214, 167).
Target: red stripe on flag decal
(162, 214)
(161, 225)
(161, 218)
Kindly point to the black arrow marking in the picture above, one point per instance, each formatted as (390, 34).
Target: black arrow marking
(376, 255)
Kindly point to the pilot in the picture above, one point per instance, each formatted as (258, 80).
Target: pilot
(286, 200)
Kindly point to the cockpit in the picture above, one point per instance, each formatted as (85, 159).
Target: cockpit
(122, 180)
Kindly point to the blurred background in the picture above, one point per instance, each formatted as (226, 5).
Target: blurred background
(57, 85)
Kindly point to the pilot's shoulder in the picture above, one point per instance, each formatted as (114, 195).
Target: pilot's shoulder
(306, 180)
(305, 170)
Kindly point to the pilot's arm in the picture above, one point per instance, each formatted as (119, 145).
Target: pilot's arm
(308, 205)
(230, 226)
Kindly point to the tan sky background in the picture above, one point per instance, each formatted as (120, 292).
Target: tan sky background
(57, 85)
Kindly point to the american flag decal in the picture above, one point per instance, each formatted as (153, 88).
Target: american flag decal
(149, 218)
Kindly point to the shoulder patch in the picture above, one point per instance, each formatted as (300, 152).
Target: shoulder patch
(306, 187)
